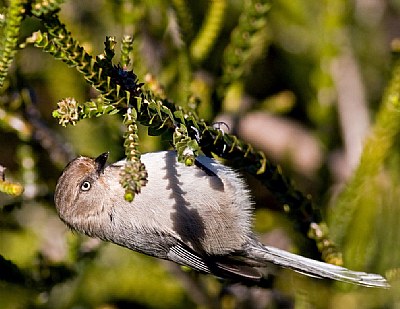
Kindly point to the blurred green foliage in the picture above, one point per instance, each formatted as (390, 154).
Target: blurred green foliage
(316, 78)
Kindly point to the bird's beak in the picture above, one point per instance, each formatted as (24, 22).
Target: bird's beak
(101, 162)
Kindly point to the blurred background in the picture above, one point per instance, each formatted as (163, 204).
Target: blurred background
(303, 81)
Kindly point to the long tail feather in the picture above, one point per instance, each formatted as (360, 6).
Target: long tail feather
(315, 268)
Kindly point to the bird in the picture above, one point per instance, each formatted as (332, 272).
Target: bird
(198, 216)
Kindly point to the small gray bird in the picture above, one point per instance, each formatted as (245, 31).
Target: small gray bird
(198, 216)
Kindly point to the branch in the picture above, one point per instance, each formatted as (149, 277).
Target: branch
(120, 92)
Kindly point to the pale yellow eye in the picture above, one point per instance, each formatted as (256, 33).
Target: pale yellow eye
(86, 185)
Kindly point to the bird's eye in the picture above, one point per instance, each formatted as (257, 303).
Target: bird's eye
(86, 185)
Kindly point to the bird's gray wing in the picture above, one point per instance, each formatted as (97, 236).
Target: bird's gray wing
(182, 255)
(234, 269)
(225, 267)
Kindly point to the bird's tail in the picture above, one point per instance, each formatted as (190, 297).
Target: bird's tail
(315, 268)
